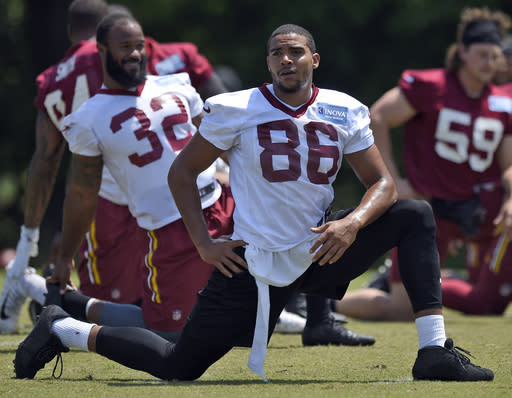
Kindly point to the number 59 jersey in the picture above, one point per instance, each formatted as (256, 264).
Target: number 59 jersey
(450, 144)
(139, 134)
(283, 161)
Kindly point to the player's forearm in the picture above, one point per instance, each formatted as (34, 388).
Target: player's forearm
(211, 87)
(80, 202)
(41, 177)
(504, 156)
(186, 196)
(507, 182)
(78, 214)
(376, 201)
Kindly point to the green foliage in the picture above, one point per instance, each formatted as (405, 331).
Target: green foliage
(364, 46)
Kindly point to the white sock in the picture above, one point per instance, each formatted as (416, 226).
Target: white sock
(34, 286)
(72, 333)
(430, 330)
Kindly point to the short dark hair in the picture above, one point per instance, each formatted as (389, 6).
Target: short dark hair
(84, 15)
(291, 28)
(110, 20)
(119, 9)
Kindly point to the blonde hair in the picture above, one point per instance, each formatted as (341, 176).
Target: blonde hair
(468, 15)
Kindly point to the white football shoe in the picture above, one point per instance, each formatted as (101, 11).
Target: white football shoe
(290, 323)
(12, 299)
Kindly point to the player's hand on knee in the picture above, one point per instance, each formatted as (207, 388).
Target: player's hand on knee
(219, 252)
(335, 237)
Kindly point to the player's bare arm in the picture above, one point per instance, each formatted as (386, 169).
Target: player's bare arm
(42, 170)
(504, 218)
(196, 157)
(390, 111)
(336, 236)
(78, 213)
(212, 86)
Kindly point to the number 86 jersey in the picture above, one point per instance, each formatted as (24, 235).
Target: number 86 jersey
(139, 133)
(283, 161)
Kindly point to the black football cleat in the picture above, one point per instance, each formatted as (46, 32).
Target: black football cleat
(40, 346)
(332, 332)
(448, 364)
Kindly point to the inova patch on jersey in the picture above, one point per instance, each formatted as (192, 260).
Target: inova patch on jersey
(333, 113)
(169, 65)
(500, 104)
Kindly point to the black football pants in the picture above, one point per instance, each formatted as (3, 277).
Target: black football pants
(225, 312)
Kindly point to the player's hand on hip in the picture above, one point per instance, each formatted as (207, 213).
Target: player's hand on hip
(219, 252)
(335, 237)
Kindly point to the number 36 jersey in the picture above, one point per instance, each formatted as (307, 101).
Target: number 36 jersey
(283, 161)
(450, 145)
(139, 134)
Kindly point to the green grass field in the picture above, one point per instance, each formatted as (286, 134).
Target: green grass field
(383, 370)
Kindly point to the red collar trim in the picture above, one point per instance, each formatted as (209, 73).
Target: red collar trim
(279, 105)
(118, 91)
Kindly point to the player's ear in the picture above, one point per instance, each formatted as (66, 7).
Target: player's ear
(70, 33)
(316, 60)
(101, 48)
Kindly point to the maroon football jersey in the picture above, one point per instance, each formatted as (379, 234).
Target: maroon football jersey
(507, 88)
(63, 87)
(450, 145)
(167, 58)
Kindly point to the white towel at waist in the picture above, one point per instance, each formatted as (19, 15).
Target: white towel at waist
(275, 269)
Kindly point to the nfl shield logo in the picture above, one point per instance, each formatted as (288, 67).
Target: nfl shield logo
(176, 315)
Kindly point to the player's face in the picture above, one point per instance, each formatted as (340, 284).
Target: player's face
(481, 61)
(504, 73)
(291, 63)
(125, 55)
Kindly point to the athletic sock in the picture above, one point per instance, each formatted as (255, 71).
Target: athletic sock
(318, 310)
(75, 304)
(72, 333)
(430, 330)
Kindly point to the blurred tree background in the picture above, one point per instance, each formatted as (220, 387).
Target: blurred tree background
(364, 46)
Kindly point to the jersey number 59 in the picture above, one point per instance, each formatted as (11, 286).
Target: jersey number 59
(454, 145)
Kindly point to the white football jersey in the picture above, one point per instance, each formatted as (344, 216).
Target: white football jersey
(110, 189)
(283, 161)
(139, 133)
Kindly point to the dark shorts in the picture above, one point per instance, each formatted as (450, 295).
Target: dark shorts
(224, 315)
(174, 272)
(111, 260)
(483, 246)
(226, 308)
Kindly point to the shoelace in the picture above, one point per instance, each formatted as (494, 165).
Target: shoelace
(458, 351)
(59, 360)
(460, 354)
(44, 356)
